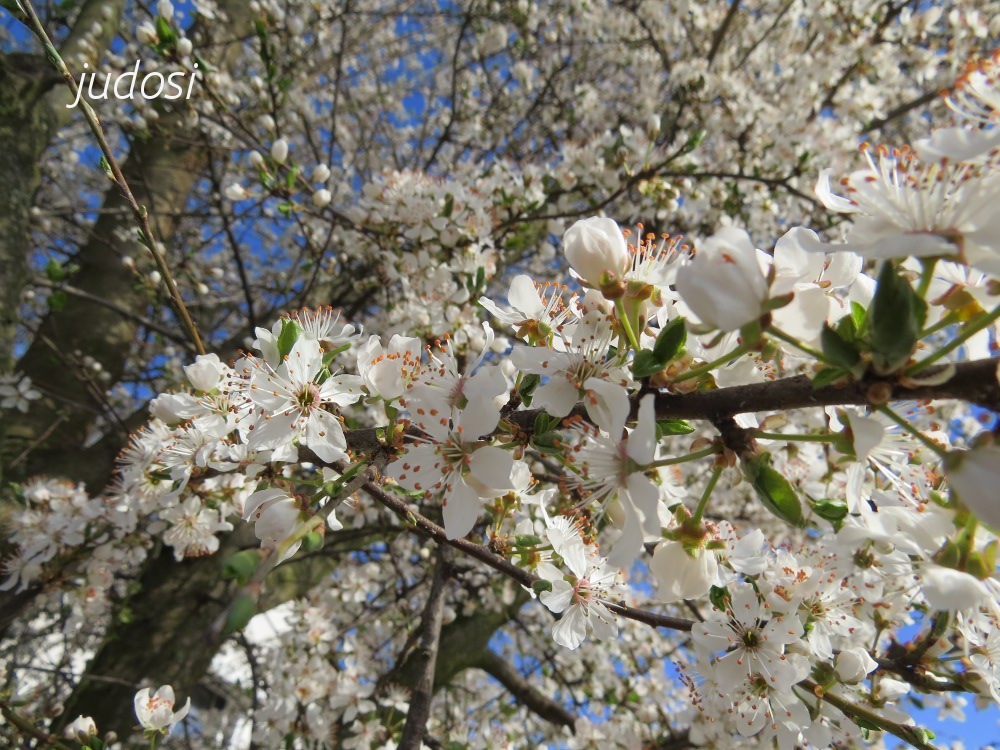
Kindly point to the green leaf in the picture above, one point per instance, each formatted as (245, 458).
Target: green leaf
(165, 33)
(645, 364)
(545, 423)
(312, 542)
(773, 489)
(828, 376)
(528, 386)
(241, 611)
(290, 332)
(57, 301)
(896, 318)
(666, 427)
(449, 205)
(839, 350)
(833, 511)
(241, 566)
(541, 585)
(859, 314)
(54, 270)
(670, 343)
(719, 596)
(106, 167)
(527, 540)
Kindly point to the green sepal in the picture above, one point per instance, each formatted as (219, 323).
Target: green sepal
(527, 540)
(544, 423)
(773, 489)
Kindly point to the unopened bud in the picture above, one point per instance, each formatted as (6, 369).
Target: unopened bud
(279, 151)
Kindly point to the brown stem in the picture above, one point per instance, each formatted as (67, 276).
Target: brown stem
(430, 529)
(539, 703)
(426, 656)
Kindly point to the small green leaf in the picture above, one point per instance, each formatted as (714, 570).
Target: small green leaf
(838, 349)
(165, 33)
(106, 167)
(896, 318)
(828, 376)
(449, 205)
(860, 316)
(527, 540)
(528, 386)
(666, 427)
(241, 566)
(671, 340)
(719, 596)
(773, 489)
(241, 611)
(54, 270)
(541, 585)
(645, 364)
(833, 511)
(312, 542)
(290, 332)
(57, 301)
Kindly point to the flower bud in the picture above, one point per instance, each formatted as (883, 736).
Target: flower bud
(853, 665)
(165, 8)
(256, 160)
(322, 198)
(595, 247)
(184, 47)
(146, 34)
(279, 151)
(82, 729)
(321, 173)
(235, 192)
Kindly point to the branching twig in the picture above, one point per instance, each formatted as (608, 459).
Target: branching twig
(139, 212)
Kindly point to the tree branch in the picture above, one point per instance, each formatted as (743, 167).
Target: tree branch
(426, 656)
(539, 703)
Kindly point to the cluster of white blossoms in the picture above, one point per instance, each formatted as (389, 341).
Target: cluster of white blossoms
(602, 435)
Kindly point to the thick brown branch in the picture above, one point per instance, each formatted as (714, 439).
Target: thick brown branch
(974, 382)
